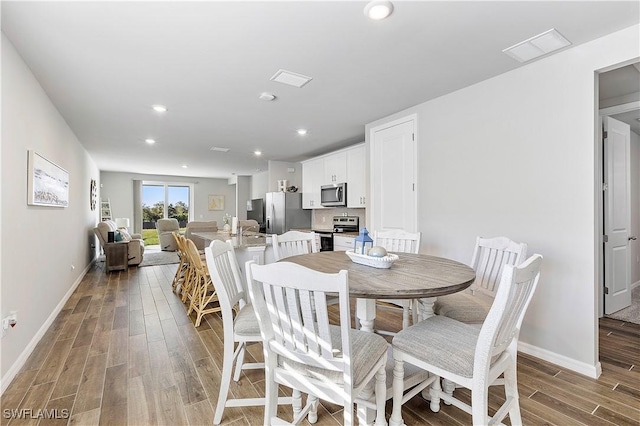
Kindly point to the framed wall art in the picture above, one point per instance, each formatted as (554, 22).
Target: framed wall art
(93, 194)
(47, 183)
(216, 202)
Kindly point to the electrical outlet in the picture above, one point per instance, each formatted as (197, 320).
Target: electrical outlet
(9, 321)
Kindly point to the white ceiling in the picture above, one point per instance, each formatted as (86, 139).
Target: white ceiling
(104, 64)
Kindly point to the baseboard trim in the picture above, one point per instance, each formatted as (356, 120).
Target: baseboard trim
(22, 359)
(588, 370)
(634, 285)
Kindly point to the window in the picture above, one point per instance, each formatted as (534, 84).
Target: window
(177, 197)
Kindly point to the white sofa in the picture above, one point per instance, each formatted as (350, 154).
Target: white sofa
(135, 245)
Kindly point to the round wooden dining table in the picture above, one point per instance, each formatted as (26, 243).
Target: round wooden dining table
(412, 276)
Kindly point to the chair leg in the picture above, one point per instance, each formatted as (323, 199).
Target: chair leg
(271, 395)
(447, 388)
(511, 392)
(480, 406)
(296, 403)
(239, 361)
(381, 396)
(434, 393)
(348, 410)
(227, 366)
(398, 389)
(312, 417)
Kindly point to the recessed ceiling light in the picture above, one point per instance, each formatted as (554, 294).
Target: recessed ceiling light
(150, 141)
(184, 166)
(302, 131)
(547, 42)
(159, 108)
(290, 78)
(267, 96)
(257, 153)
(378, 9)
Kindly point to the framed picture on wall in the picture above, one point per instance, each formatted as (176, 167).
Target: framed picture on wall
(216, 202)
(47, 183)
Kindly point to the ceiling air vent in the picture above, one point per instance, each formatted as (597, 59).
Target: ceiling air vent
(216, 148)
(537, 46)
(290, 78)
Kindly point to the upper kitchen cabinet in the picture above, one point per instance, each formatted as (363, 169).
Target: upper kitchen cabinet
(312, 179)
(357, 177)
(335, 168)
(347, 165)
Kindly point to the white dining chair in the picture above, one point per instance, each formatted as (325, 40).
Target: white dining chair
(239, 323)
(490, 257)
(303, 351)
(399, 241)
(467, 355)
(293, 243)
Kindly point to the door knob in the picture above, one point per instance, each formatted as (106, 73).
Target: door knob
(632, 238)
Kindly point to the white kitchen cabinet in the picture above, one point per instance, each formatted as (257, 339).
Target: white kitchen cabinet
(335, 168)
(347, 165)
(356, 177)
(312, 175)
(343, 242)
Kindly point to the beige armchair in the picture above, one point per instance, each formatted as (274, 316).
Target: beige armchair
(166, 228)
(195, 226)
(249, 225)
(135, 246)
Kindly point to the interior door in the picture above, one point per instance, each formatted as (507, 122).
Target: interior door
(617, 274)
(393, 191)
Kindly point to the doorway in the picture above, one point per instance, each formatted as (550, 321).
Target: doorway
(619, 261)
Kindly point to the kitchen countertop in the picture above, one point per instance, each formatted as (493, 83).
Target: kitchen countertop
(249, 239)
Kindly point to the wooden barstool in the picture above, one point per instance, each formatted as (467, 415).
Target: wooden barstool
(204, 299)
(181, 272)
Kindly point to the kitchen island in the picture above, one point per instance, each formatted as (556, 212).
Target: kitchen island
(249, 246)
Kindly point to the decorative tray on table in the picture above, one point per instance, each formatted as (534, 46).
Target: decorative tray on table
(383, 262)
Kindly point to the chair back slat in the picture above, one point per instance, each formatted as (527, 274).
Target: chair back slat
(397, 240)
(502, 325)
(490, 257)
(293, 243)
(288, 297)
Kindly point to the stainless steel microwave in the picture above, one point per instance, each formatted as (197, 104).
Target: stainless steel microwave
(334, 195)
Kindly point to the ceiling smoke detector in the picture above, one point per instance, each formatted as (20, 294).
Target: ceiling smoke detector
(267, 97)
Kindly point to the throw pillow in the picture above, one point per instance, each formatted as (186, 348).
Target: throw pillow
(126, 236)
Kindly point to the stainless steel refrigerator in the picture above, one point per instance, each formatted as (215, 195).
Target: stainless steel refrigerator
(283, 212)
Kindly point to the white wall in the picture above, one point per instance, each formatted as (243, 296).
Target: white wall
(259, 185)
(40, 244)
(516, 156)
(279, 170)
(118, 187)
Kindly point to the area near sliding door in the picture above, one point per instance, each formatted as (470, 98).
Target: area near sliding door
(162, 200)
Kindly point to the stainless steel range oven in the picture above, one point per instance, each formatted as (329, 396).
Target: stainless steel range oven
(326, 240)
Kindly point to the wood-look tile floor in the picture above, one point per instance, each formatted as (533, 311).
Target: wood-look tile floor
(123, 351)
